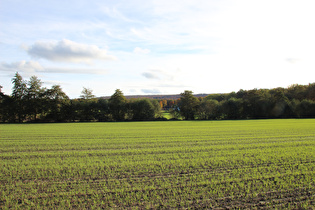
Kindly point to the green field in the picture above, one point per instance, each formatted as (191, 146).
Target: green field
(160, 165)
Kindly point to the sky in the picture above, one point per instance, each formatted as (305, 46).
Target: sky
(158, 46)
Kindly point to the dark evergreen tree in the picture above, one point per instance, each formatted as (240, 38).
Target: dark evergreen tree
(35, 96)
(19, 93)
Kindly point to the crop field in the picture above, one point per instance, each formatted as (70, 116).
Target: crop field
(158, 165)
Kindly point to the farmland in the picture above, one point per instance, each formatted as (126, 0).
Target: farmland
(160, 165)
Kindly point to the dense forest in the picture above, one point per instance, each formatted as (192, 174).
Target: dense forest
(30, 102)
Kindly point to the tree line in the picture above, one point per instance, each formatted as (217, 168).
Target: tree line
(30, 102)
(296, 101)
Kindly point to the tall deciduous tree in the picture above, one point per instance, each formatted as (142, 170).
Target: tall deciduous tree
(143, 109)
(208, 109)
(117, 105)
(55, 103)
(188, 105)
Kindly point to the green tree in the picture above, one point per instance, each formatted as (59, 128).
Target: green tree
(143, 109)
(208, 109)
(311, 91)
(256, 103)
(101, 112)
(74, 109)
(6, 105)
(87, 106)
(7, 109)
(117, 105)
(188, 105)
(296, 91)
(55, 104)
(35, 94)
(175, 109)
(86, 109)
(280, 103)
(19, 93)
(157, 108)
(232, 108)
(87, 94)
(306, 108)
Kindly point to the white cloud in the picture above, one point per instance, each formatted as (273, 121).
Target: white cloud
(139, 50)
(74, 70)
(32, 67)
(158, 74)
(150, 75)
(151, 91)
(21, 66)
(68, 51)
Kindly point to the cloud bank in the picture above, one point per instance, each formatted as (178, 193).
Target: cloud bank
(68, 51)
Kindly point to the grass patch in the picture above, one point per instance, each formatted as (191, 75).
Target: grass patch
(166, 114)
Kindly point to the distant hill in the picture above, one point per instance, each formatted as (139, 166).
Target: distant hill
(164, 97)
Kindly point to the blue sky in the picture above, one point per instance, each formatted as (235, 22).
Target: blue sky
(158, 46)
